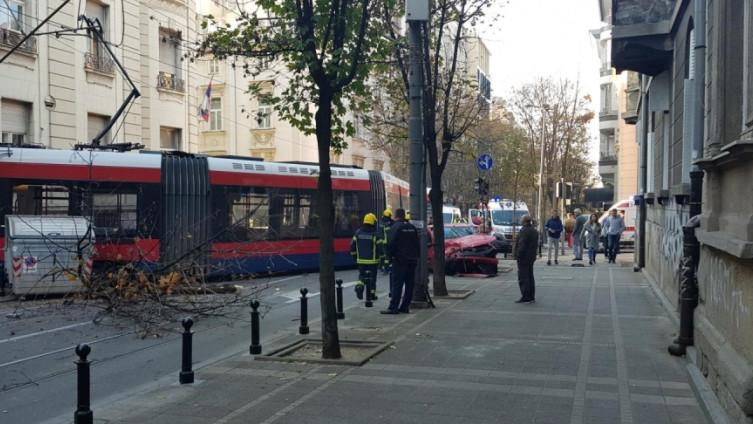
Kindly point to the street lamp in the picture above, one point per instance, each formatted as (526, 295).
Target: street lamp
(544, 108)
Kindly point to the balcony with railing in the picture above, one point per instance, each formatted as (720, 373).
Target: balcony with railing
(98, 63)
(9, 39)
(607, 158)
(170, 82)
(640, 35)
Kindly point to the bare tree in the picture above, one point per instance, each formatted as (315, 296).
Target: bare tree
(565, 131)
(451, 103)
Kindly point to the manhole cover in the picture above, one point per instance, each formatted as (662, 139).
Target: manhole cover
(354, 352)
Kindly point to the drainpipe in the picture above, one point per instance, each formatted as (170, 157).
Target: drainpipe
(691, 247)
(643, 175)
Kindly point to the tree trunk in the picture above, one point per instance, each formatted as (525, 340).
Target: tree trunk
(438, 265)
(325, 209)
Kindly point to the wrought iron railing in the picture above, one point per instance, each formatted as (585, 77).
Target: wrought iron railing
(9, 38)
(99, 63)
(168, 81)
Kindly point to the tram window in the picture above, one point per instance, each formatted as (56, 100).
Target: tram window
(40, 200)
(347, 213)
(292, 214)
(250, 216)
(115, 214)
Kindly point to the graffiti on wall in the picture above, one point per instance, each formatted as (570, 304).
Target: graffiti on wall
(670, 235)
(717, 282)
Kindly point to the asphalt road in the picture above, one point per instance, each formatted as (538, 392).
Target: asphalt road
(37, 340)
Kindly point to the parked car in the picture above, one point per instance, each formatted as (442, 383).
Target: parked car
(466, 250)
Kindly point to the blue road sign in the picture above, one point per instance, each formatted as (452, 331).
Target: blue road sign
(485, 162)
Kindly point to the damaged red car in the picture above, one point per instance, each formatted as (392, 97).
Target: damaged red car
(466, 250)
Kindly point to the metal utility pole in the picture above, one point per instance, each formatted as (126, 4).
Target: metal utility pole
(417, 13)
(544, 109)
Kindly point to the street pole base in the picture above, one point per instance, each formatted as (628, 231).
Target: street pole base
(83, 417)
(303, 330)
(254, 349)
(186, 377)
(341, 315)
(419, 304)
(677, 349)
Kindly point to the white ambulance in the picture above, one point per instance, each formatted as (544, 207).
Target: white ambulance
(504, 215)
(627, 209)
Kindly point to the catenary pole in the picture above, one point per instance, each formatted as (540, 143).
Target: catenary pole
(417, 13)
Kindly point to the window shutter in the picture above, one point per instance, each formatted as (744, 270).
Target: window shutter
(15, 116)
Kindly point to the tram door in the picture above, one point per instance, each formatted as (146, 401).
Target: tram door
(185, 216)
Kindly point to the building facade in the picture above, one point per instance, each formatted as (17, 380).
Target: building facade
(618, 150)
(57, 92)
(61, 91)
(694, 113)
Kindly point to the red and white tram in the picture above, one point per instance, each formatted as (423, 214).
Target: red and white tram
(236, 216)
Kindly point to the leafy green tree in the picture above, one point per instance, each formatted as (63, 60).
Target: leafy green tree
(326, 49)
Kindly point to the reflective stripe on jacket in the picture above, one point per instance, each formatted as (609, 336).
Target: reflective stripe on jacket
(366, 247)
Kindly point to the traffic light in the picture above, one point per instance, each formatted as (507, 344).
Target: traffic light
(481, 186)
(568, 190)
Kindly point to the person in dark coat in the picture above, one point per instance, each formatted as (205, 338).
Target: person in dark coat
(402, 248)
(525, 254)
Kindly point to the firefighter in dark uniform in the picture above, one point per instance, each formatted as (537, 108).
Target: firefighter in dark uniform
(402, 247)
(367, 250)
(384, 232)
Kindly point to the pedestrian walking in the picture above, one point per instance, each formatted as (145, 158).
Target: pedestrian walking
(554, 229)
(402, 248)
(384, 232)
(524, 252)
(580, 222)
(592, 234)
(614, 225)
(367, 250)
(569, 227)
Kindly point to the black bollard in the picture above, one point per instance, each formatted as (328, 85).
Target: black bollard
(186, 374)
(339, 293)
(255, 347)
(304, 327)
(84, 414)
(368, 303)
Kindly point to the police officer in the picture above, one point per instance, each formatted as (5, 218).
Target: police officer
(384, 233)
(402, 247)
(367, 250)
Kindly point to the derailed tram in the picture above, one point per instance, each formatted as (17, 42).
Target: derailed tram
(233, 215)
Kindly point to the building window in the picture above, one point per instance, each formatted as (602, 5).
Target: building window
(358, 161)
(95, 125)
(607, 102)
(378, 165)
(214, 66)
(96, 57)
(169, 138)
(215, 114)
(16, 122)
(264, 116)
(607, 149)
(169, 77)
(12, 13)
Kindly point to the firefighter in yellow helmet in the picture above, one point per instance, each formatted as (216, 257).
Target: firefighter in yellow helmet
(366, 247)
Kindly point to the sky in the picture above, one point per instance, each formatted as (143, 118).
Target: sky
(542, 38)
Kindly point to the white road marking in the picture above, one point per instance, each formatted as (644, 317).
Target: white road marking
(294, 296)
(39, 333)
(70, 348)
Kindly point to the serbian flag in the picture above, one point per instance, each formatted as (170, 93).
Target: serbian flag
(204, 108)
